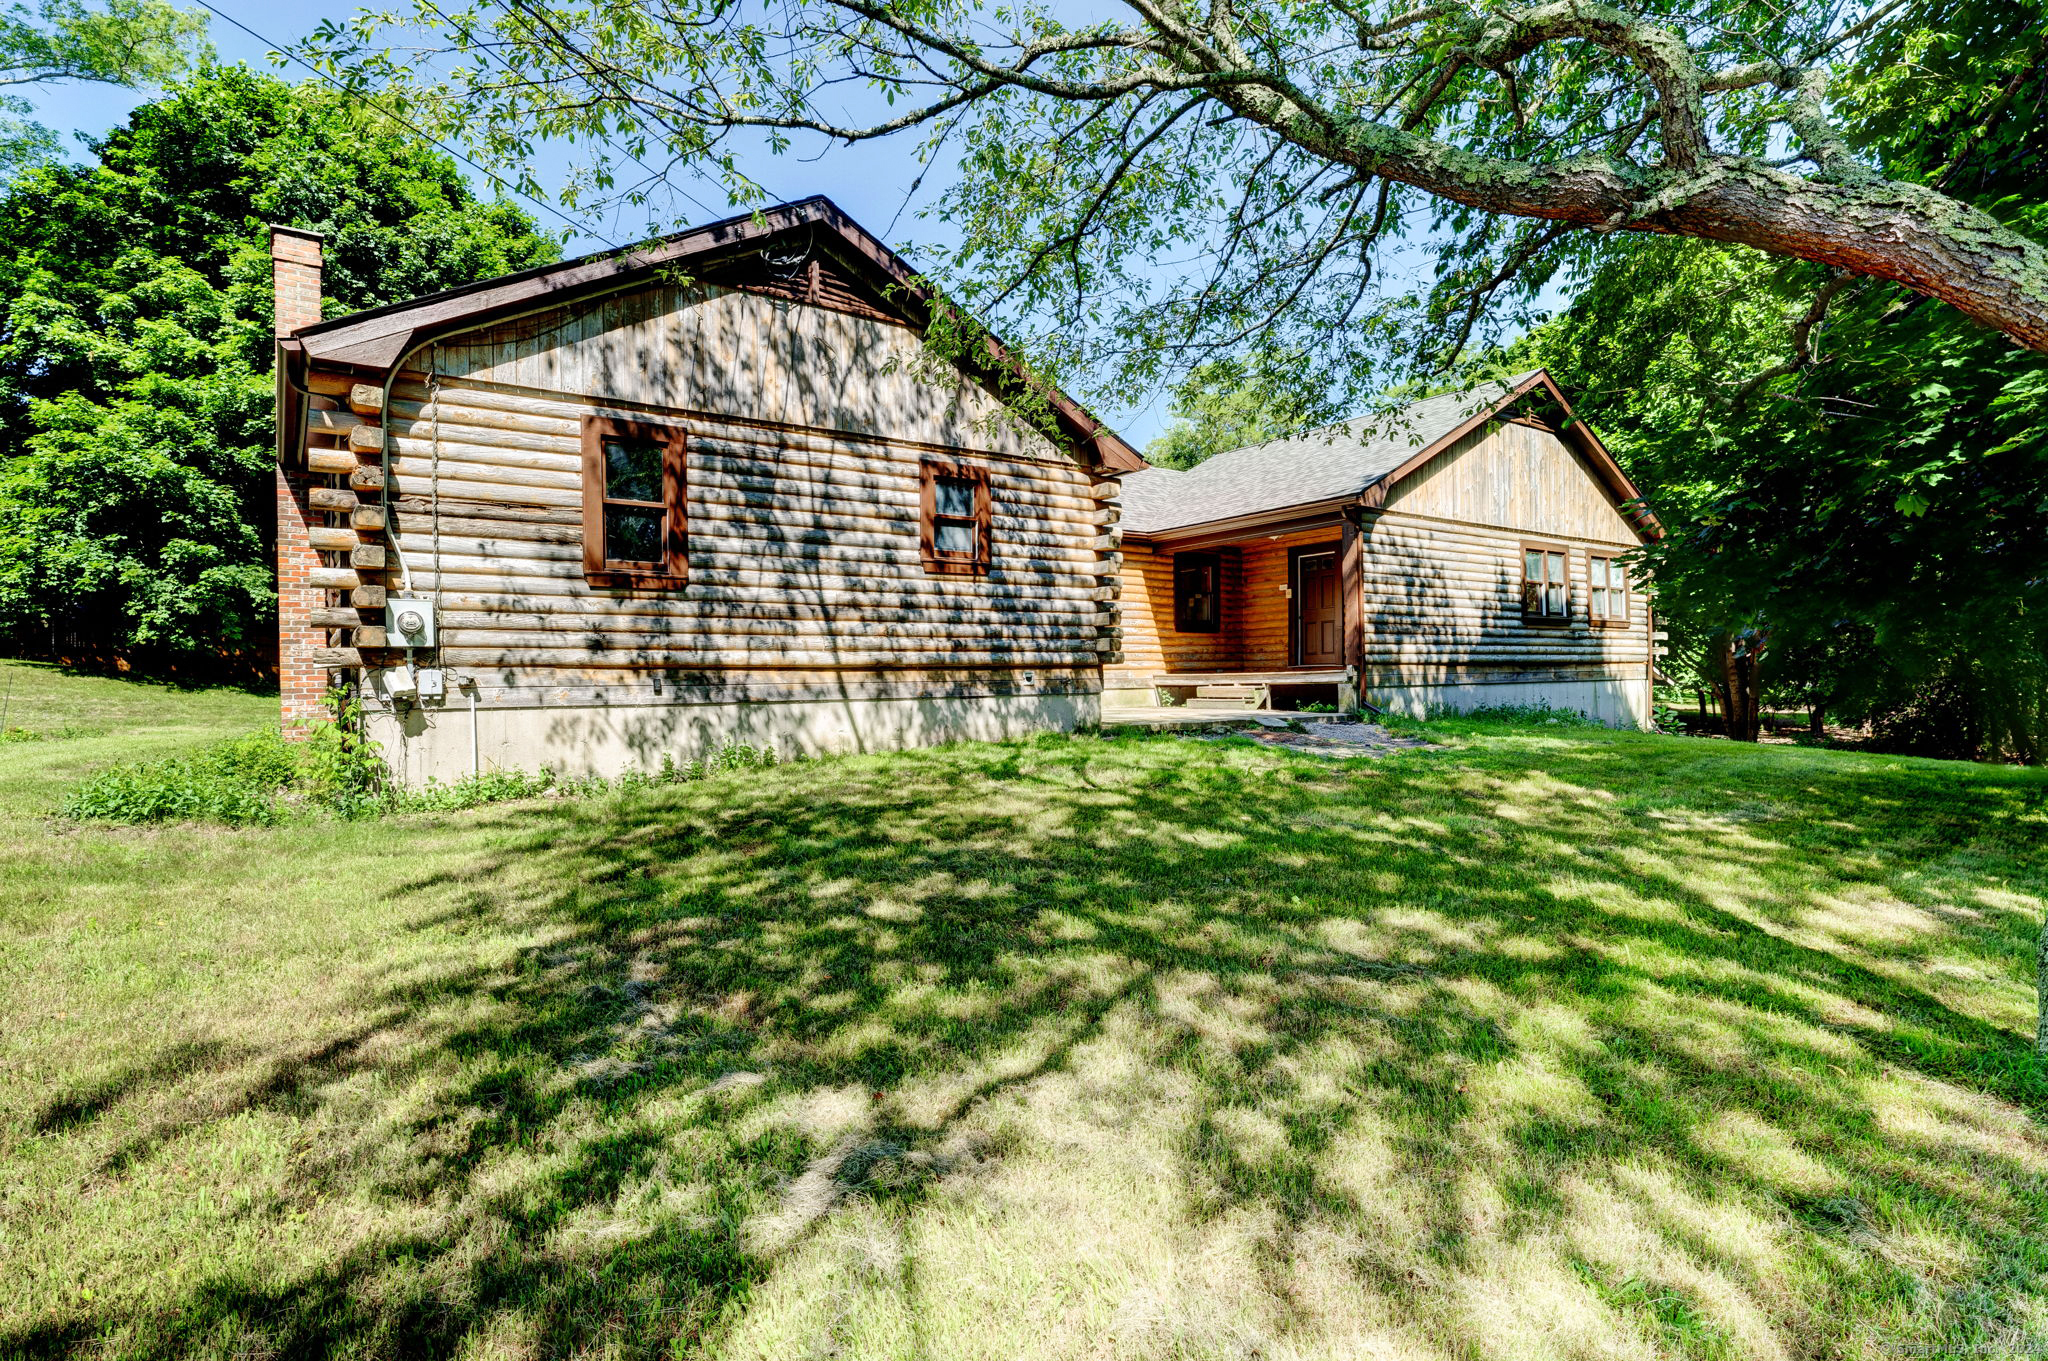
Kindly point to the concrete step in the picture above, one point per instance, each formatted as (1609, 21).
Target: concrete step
(1224, 702)
(1229, 691)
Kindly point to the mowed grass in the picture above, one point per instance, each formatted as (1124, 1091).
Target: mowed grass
(56, 728)
(1543, 1043)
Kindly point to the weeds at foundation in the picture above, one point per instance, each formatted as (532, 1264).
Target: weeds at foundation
(335, 771)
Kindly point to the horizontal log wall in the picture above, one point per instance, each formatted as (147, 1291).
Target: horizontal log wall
(1444, 599)
(1265, 610)
(1151, 644)
(803, 551)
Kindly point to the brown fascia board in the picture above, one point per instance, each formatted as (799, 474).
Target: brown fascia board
(1581, 435)
(1374, 496)
(1282, 520)
(376, 340)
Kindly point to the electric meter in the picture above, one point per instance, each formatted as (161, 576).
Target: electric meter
(409, 621)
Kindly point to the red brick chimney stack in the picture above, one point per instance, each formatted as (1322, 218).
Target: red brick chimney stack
(295, 279)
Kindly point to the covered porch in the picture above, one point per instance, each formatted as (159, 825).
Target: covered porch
(1295, 690)
(1256, 619)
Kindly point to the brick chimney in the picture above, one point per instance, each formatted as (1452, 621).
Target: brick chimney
(302, 685)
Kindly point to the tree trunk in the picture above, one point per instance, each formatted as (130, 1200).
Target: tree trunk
(2041, 993)
(1738, 682)
(1816, 723)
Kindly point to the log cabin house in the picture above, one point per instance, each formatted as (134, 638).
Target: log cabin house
(717, 489)
(644, 504)
(1464, 552)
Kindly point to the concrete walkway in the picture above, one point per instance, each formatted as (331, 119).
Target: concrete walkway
(1169, 719)
(1321, 734)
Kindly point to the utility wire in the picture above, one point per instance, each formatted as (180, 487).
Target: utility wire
(608, 140)
(361, 98)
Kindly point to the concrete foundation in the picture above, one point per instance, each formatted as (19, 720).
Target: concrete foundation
(1617, 703)
(434, 741)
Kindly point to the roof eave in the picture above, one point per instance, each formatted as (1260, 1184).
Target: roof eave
(1251, 524)
(380, 340)
(1624, 491)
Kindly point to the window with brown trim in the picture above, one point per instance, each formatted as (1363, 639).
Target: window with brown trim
(1606, 592)
(1546, 591)
(633, 503)
(1197, 592)
(953, 528)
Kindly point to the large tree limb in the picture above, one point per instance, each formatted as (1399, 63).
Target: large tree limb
(1887, 229)
(1404, 111)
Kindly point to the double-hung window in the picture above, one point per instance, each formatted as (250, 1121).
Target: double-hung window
(633, 503)
(955, 523)
(1606, 592)
(1546, 593)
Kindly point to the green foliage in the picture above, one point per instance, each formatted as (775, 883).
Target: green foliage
(1353, 192)
(123, 42)
(336, 771)
(235, 782)
(1227, 405)
(340, 769)
(1518, 716)
(1873, 503)
(135, 396)
(495, 786)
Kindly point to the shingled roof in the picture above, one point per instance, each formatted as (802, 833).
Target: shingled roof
(372, 342)
(1342, 463)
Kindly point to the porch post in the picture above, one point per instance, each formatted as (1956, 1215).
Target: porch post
(1351, 610)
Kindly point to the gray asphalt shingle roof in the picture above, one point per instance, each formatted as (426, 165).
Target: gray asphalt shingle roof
(1320, 465)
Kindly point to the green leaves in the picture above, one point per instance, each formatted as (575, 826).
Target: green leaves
(135, 444)
(1878, 501)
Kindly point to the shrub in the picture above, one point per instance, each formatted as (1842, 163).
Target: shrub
(340, 769)
(337, 770)
(235, 782)
(495, 786)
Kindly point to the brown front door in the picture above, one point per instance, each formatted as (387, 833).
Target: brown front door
(1318, 623)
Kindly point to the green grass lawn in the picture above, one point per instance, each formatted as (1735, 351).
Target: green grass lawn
(1543, 1043)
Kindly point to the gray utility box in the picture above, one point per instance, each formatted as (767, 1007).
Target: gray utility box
(409, 621)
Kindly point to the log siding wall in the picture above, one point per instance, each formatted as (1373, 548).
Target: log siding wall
(803, 552)
(1151, 643)
(1266, 607)
(1444, 599)
(1440, 573)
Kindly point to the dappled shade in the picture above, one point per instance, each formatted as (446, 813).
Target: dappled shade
(1534, 1046)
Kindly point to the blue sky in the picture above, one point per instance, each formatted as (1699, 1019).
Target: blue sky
(870, 181)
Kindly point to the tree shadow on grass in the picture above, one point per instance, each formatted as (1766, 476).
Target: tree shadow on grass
(1610, 1047)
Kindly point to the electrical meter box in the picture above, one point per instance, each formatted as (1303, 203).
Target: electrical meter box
(409, 621)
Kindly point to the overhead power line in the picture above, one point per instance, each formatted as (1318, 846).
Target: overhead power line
(365, 100)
